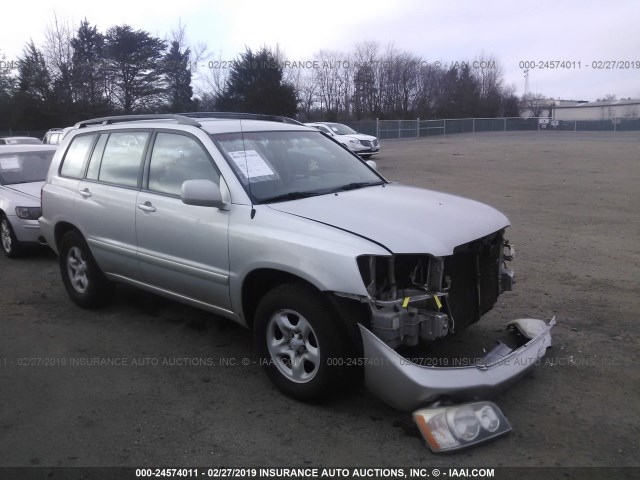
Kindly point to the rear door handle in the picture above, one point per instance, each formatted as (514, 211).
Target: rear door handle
(147, 207)
(85, 193)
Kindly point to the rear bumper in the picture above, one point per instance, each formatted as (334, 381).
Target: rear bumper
(46, 229)
(407, 386)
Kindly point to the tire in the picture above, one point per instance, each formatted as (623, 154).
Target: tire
(8, 241)
(302, 343)
(85, 283)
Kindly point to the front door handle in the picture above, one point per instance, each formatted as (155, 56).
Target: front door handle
(85, 193)
(147, 207)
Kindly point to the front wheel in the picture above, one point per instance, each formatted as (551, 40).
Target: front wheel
(10, 245)
(82, 278)
(303, 346)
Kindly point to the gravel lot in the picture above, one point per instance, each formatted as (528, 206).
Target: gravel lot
(574, 203)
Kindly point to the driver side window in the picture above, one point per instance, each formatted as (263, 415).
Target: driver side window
(175, 159)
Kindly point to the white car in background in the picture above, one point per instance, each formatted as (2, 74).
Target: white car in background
(20, 141)
(55, 135)
(363, 145)
(23, 170)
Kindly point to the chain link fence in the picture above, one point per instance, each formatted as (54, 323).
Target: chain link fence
(387, 129)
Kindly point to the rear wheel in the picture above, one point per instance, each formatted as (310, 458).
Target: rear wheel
(82, 278)
(303, 346)
(10, 245)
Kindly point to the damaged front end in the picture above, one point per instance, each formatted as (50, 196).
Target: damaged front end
(407, 386)
(414, 298)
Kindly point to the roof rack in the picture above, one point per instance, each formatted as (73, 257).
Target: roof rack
(181, 119)
(241, 116)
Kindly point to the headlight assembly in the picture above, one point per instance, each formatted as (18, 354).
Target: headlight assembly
(459, 426)
(28, 213)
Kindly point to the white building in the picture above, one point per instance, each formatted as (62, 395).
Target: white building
(600, 110)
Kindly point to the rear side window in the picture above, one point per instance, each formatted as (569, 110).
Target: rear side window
(175, 159)
(122, 158)
(76, 157)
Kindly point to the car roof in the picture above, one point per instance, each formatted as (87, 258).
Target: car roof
(25, 148)
(209, 125)
(237, 125)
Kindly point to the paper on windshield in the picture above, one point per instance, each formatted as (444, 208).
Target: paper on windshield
(251, 164)
(10, 163)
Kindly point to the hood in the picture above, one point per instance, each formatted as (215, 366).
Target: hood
(403, 219)
(27, 189)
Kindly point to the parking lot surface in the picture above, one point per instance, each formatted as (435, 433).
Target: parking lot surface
(146, 381)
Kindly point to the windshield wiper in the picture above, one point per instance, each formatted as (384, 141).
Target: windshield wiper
(289, 196)
(354, 185)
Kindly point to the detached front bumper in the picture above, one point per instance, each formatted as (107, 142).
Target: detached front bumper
(407, 386)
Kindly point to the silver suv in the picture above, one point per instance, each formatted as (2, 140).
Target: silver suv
(277, 227)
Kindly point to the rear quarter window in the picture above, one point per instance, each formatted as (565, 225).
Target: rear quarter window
(75, 158)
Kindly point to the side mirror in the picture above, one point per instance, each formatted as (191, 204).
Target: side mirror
(202, 193)
(372, 164)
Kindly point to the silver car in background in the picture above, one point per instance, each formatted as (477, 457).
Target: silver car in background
(23, 170)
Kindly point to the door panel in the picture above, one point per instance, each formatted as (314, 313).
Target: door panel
(108, 217)
(106, 206)
(182, 248)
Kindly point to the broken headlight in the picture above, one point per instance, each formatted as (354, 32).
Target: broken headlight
(459, 426)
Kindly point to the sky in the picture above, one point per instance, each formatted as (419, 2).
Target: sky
(593, 45)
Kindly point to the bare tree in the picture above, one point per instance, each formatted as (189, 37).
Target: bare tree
(366, 93)
(332, 79)
(489, 75)
(307, 89)
(58, 56)
(198, 52)
(534, 104)
(213, 82)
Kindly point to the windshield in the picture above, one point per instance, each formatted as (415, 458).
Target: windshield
(288, 165)
(340, 129)
(24, 167)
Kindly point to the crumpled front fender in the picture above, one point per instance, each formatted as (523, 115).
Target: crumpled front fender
(407, 386)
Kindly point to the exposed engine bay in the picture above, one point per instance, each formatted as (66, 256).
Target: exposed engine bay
(417, 297)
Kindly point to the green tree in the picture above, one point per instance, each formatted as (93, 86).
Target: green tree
(58, 53)
(7, 91)
(33, 99)
(459, 93)
(132, 60)
(177, 74)
(88, 71)
(511, 106)
(256, 85)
